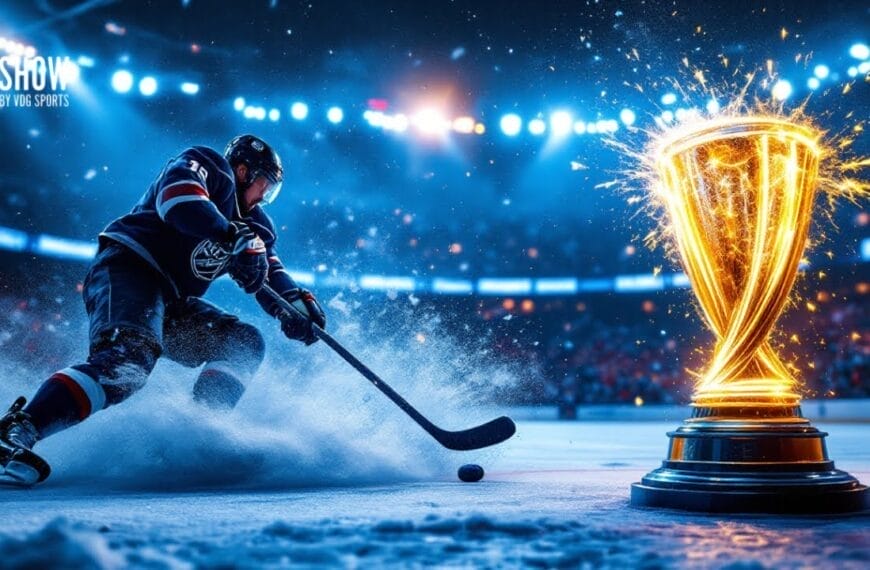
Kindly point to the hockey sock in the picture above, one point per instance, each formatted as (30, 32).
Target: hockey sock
(66, 398)
(218, 386)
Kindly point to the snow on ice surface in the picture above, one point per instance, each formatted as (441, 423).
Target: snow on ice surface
(555, 496)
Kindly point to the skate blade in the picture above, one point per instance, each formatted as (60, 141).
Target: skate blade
(17, 474)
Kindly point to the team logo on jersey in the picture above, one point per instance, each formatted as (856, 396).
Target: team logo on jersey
(208, 260)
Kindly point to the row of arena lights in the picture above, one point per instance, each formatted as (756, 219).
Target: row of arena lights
(123, 81)
(434, 123)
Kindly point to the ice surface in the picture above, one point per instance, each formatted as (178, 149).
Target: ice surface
(555, 496)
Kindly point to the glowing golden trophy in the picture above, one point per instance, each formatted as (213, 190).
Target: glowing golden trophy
(739, 193)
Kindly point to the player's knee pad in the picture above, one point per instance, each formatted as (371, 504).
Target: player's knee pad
(247, 349)
(218, 386)
(123, 359)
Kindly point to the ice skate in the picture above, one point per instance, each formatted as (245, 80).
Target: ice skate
(20, 466)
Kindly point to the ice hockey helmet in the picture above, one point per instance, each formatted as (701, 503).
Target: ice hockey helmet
(261, 160)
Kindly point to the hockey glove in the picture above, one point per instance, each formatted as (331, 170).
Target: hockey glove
(248, 264)
(297, 326)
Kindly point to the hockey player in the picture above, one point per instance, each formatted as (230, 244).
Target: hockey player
(200, 218)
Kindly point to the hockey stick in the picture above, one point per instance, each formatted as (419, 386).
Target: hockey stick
(490, 433)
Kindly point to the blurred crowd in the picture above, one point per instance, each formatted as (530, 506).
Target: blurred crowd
(602, 349)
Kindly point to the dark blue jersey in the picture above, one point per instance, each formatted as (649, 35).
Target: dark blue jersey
(181, 224)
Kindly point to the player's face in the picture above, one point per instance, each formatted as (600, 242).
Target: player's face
(256, 192)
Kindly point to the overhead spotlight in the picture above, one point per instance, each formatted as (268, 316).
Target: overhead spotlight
(335, 115)
(561, 123)
(122, 81)
(189, 88)
(864, 67)
(859, 51)
(511, 124)
(299, 111)
(821, 71)
(813, 83)
(781, 90)
(85, 61)
(537, 126)
(250, 112)
(853, 71)
(627, 117)
(667, 116)
(260, 114)
(239, 103)
(148, 86)
(669, 99)
(274, 115)
(464, 125)
(580, 127)
(431, 122)
(591, 128)
(70, 72)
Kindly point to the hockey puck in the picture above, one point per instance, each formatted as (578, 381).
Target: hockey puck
(470, 473)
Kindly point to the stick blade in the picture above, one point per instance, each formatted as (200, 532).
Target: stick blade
(485, 435)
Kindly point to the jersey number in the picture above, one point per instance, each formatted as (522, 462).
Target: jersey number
(200, 170)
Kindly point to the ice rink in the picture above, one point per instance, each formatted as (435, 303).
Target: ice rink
(554, 496)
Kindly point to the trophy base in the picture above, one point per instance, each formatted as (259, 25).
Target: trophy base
(731, 461)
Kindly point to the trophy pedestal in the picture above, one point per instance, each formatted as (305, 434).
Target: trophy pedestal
(749, 460)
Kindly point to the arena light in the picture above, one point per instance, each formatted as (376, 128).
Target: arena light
(668, 116)
(511, 124)
(250, 112)
(189, 88)
(122, 81)
(383, 283)
(638, 283)
(580, 127)
(813, 83)
(595, 285)
(239, 103)
(592, 128)
(274, 115)
(148, 86)
(493, 286)
(430, 122)
(85, 61)
(464, 125)
(627, 117)
(299, 111)
(822, 71)
(556, 286)
(70, 72)
(853, 71)
(859, 51)
(864, 67)
(302, 277)
(335, 115)
(452, 286)
(669, 99)
(680, 280)
(781, 90)
(65, 248)
(260, 113)
(537, 127)
(12, 240)
(561, 123)
(865, 249)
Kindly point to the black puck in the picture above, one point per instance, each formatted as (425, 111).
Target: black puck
(470, 473)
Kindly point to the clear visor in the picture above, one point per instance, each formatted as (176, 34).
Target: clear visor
(272, 191)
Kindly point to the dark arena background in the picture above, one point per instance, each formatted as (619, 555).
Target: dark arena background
(463, 193)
